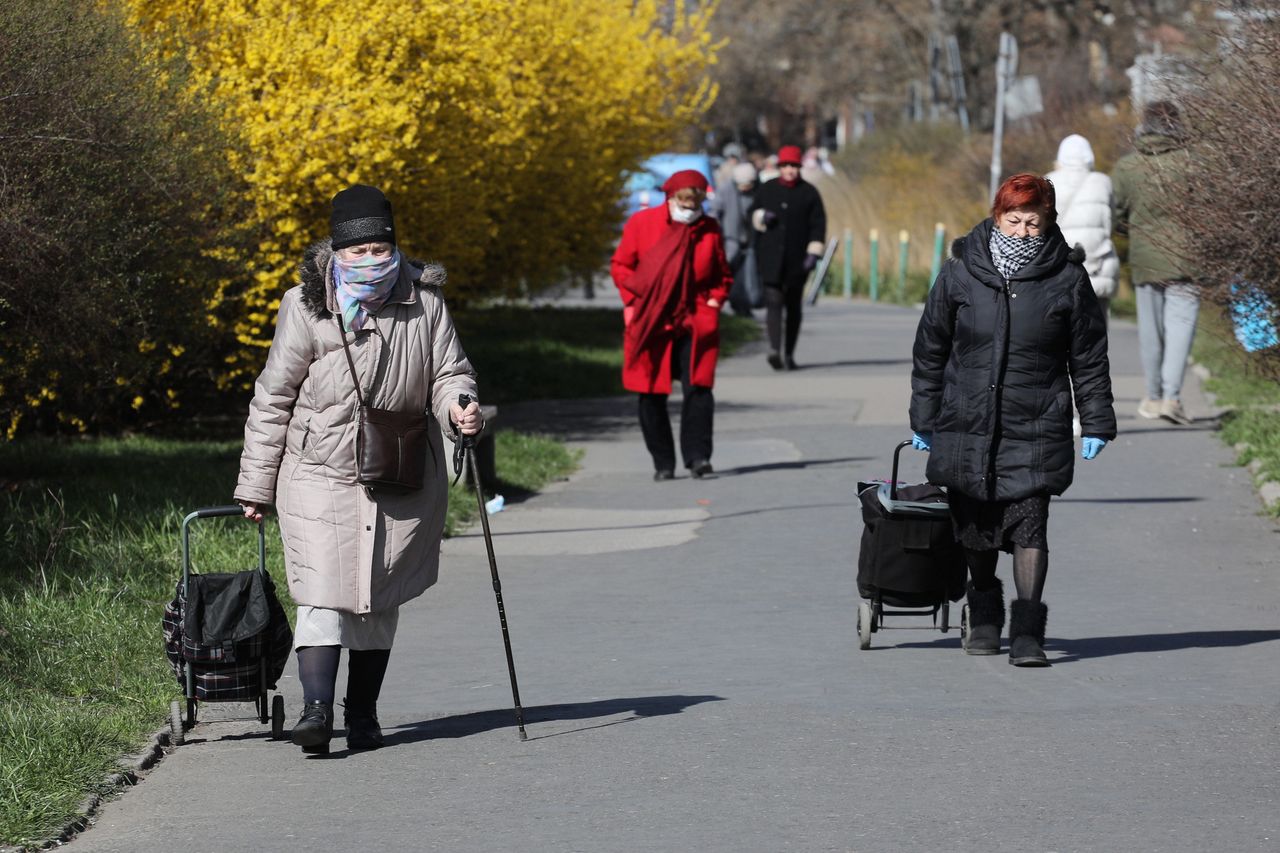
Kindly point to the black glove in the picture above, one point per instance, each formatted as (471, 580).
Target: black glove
(810, 261)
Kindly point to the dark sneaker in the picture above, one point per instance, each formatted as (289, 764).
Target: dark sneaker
(775, 361)
(791, 364)
(700, 469)
(314, 728)
(663, 474)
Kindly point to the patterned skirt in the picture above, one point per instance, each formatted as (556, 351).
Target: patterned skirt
(999, 525)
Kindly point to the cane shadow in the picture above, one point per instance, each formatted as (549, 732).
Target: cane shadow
(859, 362)
(478, 722)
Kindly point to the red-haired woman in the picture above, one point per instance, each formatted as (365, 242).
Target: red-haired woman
(673, 277)
(1011, 329)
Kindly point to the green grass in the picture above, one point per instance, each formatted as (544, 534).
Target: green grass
(1248, 385)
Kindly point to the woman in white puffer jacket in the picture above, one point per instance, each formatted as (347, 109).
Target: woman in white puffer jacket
(1084, 213)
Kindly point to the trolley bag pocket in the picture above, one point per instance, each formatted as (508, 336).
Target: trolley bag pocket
(391, 449)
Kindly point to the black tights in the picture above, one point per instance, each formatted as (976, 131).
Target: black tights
(318, 672)
(1030, 566)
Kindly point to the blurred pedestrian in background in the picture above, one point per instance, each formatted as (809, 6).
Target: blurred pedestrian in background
(1168, 303)
(671, 272)
(792, 224)
(353, 554)
(1084, 214)
(731, 207)
(1011, 329)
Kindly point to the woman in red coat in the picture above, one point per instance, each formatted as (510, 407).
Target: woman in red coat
(671, 271)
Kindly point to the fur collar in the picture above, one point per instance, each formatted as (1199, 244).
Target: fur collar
(315, 262)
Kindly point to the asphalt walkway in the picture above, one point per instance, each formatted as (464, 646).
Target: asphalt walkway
(689, 663)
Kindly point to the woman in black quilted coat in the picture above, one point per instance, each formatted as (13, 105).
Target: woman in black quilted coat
(1011, 328)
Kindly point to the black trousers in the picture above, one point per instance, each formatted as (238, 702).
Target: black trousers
(778, 295)
(697, 411)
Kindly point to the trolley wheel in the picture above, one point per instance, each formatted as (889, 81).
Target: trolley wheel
(964, 627)
(877, 616)
(946, 618)
(864, 625)
(261, 704)
(277, 717)
(177, 735)
(191, 713)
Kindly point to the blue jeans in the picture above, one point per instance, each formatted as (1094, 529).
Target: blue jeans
(1167, 312)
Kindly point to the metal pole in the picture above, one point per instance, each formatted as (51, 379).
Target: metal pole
(1002, 75)
(469, 449)
(939, 240)
(848, 263)
(874, 273)
(904, 243)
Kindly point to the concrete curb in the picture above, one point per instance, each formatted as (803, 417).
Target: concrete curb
(133, 769)
(1268, 489)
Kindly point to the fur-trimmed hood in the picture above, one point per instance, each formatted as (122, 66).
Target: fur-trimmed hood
(313, 274)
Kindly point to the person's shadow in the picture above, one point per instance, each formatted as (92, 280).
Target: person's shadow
(465, 725)
(1069, 650)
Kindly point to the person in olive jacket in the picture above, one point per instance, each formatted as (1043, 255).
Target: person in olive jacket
(792, 222)
(1012, 328)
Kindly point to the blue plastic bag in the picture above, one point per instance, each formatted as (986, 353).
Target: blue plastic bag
(1254, 317)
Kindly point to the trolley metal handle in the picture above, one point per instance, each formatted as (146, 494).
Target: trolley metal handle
(216, 512)
(893, 483)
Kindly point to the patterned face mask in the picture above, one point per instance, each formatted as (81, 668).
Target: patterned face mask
(363, 284)
(1011, 254)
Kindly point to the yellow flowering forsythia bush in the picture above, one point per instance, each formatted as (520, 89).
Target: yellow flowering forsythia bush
(499, 130)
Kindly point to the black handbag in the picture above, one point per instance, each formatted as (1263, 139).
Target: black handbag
(391, 447)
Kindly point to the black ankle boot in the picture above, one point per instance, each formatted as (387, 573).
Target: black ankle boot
(986, 619)
(363, 731)
(314, 728)
(1026, 632)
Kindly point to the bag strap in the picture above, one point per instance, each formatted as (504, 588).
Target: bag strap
(350, 363)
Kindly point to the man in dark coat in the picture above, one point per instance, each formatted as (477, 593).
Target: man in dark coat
(792, 222)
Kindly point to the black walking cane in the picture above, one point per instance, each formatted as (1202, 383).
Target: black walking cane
(465, 453)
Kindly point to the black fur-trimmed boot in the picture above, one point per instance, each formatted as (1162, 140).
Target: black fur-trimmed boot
(314, 728)
(361, 720)
(986, 619)
(1026, 632)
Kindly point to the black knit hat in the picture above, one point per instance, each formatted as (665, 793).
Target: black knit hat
(361, 214)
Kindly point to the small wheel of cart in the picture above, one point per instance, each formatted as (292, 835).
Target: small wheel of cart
(277, 718)
(946, 617)
(877, 616)
(964, 626)
(177, 735)
(261, 705)
(864, 625)
(191, 713)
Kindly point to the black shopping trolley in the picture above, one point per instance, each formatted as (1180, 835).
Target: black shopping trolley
(226, 635)
(908, 558)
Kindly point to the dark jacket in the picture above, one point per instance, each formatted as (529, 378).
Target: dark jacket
(800, 229)
(1142, 184)
(994, 366)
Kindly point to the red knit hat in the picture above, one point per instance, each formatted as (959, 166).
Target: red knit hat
(790, 154)
(685, 179)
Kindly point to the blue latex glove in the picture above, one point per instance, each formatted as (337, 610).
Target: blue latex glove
(810, 261)
(1091, 446)
(921, 441)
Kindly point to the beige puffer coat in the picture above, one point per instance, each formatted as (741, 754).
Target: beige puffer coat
(346, 548)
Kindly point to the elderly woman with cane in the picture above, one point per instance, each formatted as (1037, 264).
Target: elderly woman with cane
(671, 272)
(363, 341)
(1011, 330)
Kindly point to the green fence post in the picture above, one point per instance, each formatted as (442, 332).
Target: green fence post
(939, 240)
(848, 263)
(904, 242)
(874, 274)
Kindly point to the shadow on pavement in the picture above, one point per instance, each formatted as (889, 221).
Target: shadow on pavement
(1063, 650)
(1153, 500)
(861, 362)
(465, 725)
(797, 465)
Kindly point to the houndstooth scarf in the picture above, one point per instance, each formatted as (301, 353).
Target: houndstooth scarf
(1011, 254)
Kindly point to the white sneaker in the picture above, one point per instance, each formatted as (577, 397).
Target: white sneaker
(1149, 409)
(1171, 410)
